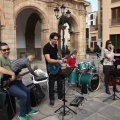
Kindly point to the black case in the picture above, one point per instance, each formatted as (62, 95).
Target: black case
(36, 94)
(7, 106)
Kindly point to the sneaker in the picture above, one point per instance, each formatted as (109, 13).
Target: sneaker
(23, 118)
(33, 112)
(63, 99)
(51, 102)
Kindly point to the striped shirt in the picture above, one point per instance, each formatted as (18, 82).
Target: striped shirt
(19, 64)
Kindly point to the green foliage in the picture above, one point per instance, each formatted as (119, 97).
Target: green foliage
(88, 50)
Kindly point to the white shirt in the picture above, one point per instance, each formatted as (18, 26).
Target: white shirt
(108, 57)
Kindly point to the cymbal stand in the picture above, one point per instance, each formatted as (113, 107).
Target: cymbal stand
(65, 106)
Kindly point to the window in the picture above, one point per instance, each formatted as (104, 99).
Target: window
(116, 42)
(93, 38)
(115, 15)
(91, 23)
(114, 1)
(91, 17)
(95, 43)
(91, 44)
(87, 32)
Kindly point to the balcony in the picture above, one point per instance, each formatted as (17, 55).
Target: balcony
(114, 22)
(112, 1)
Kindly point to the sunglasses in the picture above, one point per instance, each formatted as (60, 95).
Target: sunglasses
(4, 50)
(55, 39)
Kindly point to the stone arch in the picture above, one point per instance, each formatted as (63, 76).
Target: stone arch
(40, 15)
(73, 23)
(25, 5)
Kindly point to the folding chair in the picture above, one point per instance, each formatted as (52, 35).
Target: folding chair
(42, 80)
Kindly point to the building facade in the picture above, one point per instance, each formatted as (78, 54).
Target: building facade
(26, 25)
(111, 23)
(93, 30)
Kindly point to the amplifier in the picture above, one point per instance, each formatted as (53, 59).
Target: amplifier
(115, 72)
(36, 94)
(7, 106)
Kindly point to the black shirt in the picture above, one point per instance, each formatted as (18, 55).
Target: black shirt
(52, 51)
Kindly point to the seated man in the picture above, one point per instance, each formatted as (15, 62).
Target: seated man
(71, 61)
(16, 87)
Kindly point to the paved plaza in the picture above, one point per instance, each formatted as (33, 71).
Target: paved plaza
(91, 108)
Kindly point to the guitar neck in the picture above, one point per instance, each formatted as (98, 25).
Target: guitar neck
(23, 74)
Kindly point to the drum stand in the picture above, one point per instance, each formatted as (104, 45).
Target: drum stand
(64, 106)
(112, 96)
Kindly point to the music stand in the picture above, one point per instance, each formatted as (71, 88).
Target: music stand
(65, 73)
(113, 75)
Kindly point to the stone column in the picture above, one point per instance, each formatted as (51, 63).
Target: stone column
(2, 33)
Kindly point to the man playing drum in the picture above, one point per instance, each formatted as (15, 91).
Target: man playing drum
(71, 61)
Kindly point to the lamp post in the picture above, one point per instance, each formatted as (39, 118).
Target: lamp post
(63, 19)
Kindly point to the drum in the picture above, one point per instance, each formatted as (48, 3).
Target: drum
(73, 78)
(83, 66)
(91, 65)
(89, 79)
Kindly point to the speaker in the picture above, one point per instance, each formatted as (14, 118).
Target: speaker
(36, 94)
(7, 106)
(115, 72)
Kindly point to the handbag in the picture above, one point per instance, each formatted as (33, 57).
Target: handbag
(101, 61)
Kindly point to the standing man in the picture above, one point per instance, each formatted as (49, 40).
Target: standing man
(16, 87)
(50, 53)
(19, 64)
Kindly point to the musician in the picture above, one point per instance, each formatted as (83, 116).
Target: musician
(19, 64)
(71, 61)
(108, 65)
(16, 87)
(50, 53)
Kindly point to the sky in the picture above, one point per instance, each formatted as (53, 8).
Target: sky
(94, 4)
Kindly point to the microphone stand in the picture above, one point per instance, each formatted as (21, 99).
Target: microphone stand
(65, 106)
(114, 95)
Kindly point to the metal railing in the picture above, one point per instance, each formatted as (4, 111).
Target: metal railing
(112, 1)
(115, 21)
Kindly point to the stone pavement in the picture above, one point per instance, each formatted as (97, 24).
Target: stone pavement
(92, 108)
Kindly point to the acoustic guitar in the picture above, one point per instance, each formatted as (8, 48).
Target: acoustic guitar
(54, 68)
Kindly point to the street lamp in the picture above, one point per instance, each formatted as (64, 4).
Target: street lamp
(63, 18)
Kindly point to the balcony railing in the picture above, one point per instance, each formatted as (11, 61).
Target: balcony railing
(115, 21)
(112, 1)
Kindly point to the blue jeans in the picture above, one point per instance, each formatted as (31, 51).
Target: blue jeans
(19, 90)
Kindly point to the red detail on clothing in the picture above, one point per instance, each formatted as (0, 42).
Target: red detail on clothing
(71, 61)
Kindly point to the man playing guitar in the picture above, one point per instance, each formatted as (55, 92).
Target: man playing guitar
(16, 87)
(50, 51)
